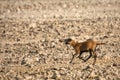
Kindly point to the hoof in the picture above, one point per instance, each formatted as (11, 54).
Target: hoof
(84, 60)
(70, 62)
(93, 64)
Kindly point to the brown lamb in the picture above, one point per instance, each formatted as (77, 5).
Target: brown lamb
(87, 46)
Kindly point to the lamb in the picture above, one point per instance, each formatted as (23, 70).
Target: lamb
(87, 46)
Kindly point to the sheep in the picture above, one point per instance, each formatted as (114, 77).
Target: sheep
(87, 46)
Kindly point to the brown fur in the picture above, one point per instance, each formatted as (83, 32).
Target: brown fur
(86, 46)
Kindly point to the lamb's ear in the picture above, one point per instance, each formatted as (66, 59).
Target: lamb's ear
(67, 40)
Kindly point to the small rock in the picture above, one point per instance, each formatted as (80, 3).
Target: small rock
(114, 64)
(44, 16)
(52, 45)
(37, 59)
(102, 78)
(64, 5)
(27, 77)
(93, 74)
(33, 25)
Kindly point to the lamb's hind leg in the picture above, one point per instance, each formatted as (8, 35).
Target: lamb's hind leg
(95, 57)
(89, 55)
(80, 56)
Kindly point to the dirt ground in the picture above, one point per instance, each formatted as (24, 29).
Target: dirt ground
(29, 39)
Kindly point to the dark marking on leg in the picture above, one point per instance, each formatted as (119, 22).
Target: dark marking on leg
(95, 57)
(89, 55)
(73, 57)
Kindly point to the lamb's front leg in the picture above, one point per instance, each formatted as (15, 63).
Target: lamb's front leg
(73, 57)
(80, 56)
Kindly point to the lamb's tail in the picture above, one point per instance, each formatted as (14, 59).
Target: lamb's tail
(100, 43)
